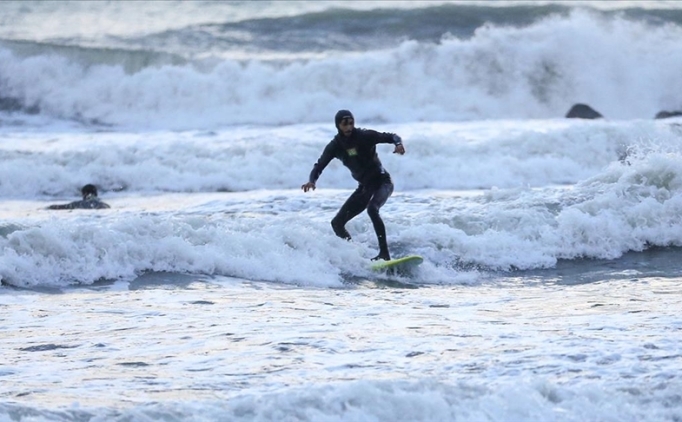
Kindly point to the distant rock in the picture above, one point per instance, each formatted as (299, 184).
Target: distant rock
(666, 114)
(583, 111)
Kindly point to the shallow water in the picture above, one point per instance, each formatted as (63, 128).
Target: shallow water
(167, 340)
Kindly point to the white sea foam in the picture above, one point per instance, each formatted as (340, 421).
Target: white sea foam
(540, 71)
(626, 208)
(547, 190)
(473, 155)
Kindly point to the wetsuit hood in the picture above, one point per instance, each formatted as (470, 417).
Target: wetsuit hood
(89, 191)
(340, 115)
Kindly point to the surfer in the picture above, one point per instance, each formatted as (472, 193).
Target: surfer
(90, 201)
(356, 148)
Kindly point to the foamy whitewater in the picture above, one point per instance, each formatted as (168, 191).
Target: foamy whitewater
(215, 289)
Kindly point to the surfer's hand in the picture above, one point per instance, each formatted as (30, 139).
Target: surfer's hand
(399, 149)
(308, 186)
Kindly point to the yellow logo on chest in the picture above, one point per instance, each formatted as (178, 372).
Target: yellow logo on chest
(352, 152)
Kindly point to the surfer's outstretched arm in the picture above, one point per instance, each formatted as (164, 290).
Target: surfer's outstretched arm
(324, 160)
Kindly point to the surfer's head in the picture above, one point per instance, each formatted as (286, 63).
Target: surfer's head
(344, 122)
(89, 191)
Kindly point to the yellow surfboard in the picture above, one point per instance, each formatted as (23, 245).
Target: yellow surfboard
(398, 263)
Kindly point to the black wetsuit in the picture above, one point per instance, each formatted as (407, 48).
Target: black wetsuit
(89, 203)
(358, 153)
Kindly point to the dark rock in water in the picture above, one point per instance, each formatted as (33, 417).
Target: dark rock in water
(583, 111)
(666, 114)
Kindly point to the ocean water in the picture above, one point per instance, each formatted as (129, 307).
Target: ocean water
(214, 289)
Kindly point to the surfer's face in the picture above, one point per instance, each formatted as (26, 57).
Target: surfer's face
(346, 126)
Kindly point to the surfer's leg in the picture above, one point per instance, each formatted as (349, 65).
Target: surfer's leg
(376, 202)
(353, 206)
